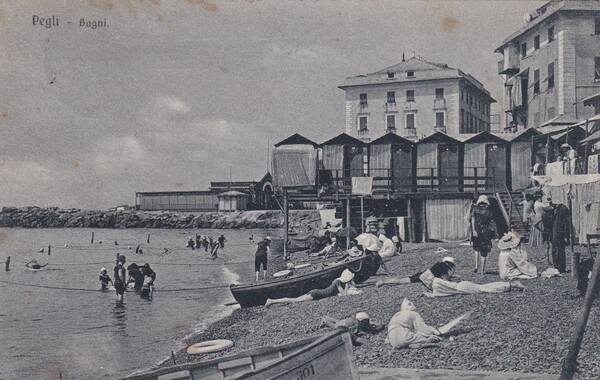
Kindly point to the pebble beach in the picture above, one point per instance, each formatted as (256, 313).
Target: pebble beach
(524, 331)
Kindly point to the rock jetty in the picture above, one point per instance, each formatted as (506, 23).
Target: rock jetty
(53, 217)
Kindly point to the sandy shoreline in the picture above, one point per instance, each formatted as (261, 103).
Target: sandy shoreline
(517, 331)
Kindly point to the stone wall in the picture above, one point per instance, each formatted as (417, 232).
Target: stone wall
(38, 217)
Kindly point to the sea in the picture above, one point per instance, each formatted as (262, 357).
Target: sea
(55, 323)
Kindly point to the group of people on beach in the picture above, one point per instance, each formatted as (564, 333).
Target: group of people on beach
(141, 276)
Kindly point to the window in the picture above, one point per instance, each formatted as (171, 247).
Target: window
(391, 97)
(439, 119)
(523, 50)
(390, 75)
(597, 26)
(410, 74)
(462, 120)
(462, 95)
(597, 68)
(410, 95)
(536, 81)
(471, 100)
(362, 123)
(471, 122)
(391, 121)
(551, 34)
(363, 100)
(410, 121)
(551, 113)
(536, 42)
(550, 75)
(439, 93)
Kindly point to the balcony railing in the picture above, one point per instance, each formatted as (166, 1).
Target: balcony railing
(409, 133)
(439, 103)
(364, 134)
(390, 106)
(363, 105)
(507, 69)
(386, 183)
(390, 129)
(410, 106)
(440, 128)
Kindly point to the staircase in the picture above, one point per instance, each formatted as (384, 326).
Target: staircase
(512, 210)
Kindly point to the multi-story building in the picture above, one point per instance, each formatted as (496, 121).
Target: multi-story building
(551, 64)
(415, 98)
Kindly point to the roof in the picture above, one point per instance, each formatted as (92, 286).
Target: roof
(424, 71)
(484, 137)
(438, 137)
(525, 134)
(548, 11)
(390, 138)
(343, 139)
(296, 139)
(591, 138)
(231, 193)
(591, 119)
(590, 100)
(559, 120)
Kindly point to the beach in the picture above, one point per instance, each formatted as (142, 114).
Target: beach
(524, 331)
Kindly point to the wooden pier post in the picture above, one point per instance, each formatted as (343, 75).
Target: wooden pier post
(286, 224)
(569, 365)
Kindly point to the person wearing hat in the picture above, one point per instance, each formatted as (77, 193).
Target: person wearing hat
(570, 158)
(443, 269)
(338, 286)
(483, 230)
(388, 248)
(444, 288)
(356, 325)
(512, 261)
(104, 279)
(329, 249)
(119, 282)
(262, 257)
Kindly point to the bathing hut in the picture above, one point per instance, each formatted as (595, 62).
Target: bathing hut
(232, 201)
(439, 163)
(521, 157)
(391, 159)
(344, 157)
(295, 162)
(485, 163)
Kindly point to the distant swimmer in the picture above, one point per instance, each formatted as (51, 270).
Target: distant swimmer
(191, 244)
(33, 264)
(116, 242)
(105, 279)
(166, 250)
(8, 264)
(251, 238)
(137, 249)
(214, 249)
(205, 243)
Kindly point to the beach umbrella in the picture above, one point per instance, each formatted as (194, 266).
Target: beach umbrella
(347, 232)
(367, 239)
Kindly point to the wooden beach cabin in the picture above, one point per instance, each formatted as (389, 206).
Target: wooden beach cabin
(295, 162)
(521, 157)
(439, 163)
(485, 163)
(344, 157)
(232, 201)
(391, 163)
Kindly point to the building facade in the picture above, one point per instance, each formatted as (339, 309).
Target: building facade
(551, 64)
(413, 99)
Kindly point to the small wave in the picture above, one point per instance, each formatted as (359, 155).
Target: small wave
(231, 277)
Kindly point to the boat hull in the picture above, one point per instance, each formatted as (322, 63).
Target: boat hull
(295, 286)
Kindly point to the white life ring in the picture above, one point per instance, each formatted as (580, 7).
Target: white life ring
(282, 273)
(209, 346)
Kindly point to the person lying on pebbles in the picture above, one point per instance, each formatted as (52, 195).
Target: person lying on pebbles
(407, 329)
(340, 286)
(356, 325)
(443, 269)
(443, 288)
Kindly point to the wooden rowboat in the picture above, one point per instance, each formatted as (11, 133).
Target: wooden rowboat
(327, 356)
(295, 286)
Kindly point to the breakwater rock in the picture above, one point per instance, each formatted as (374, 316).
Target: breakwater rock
(52, 217)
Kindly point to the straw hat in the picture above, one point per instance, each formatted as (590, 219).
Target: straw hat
(346, 276)
(373, 247)
(449, 259)
(362, 316)
(509, 240)
(395, 239)
(565, 145)
(354, 252)
(483, 199)
(268, 238)
(102, 270)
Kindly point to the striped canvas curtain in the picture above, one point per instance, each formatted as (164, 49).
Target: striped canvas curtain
(520, 163)
(474, 157)
(427, 157)
(333, 157)
(381, 156)
(448, 219)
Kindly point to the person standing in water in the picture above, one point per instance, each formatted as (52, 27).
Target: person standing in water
(119, 273)
(222, 241)
(105, 279)
(261, 257)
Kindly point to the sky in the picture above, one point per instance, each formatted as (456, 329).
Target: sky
(174, 94)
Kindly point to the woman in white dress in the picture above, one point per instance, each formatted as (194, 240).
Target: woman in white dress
(512, 261)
